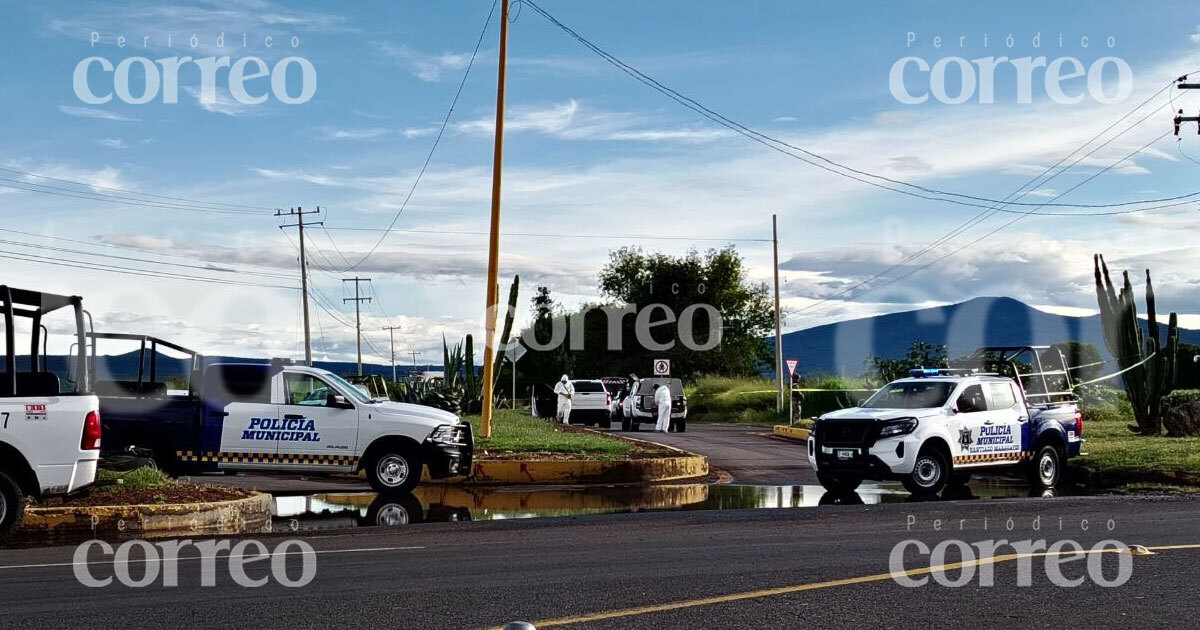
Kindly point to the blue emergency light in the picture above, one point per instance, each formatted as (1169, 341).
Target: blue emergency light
(922, 372)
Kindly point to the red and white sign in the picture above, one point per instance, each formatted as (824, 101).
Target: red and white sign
(662, 367)
(791, 366)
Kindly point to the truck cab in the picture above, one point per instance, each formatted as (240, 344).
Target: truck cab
(283, 417)
(49, 422)
(939, 426)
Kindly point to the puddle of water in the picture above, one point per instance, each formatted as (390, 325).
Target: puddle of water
(456, 503)
(441, 504)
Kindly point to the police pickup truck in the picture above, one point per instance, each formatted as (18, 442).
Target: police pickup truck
(279, 417)
(49, 427)
(940, 426)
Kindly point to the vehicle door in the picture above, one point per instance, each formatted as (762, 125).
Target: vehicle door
(317, 420)
(589, 395)
(976, 427)
(237, 406)
(1009, 420)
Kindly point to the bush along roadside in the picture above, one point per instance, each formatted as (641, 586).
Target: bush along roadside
(1118, 457)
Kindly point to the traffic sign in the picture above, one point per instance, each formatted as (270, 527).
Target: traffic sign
(662, 367)
(515, 351)
(791, 366)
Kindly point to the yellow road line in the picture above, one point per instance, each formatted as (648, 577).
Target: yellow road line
(812, 586)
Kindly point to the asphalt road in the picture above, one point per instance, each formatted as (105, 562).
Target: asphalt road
(483, 574)
(743, 451)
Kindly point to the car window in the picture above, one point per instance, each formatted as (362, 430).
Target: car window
(588, 387)
(306, 390)
(1002, 395)
(974, 393)
(911, 395)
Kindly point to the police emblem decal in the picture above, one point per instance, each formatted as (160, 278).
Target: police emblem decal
(964, 437)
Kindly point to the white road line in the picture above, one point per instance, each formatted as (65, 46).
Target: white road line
(262, 557)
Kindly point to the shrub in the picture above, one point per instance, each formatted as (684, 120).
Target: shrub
(1180, 397)
(1100, 396)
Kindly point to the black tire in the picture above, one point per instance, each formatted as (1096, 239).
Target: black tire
(1046, 470)
(839, 484)
(960, 478)
(394, 510)
(681, 425)
(606, 421)
(634, 425)
(12, 507)
(930, 474)
(624, 423)
(589, 420)
(394, 470)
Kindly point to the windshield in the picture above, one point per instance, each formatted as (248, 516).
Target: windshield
(353, 391)
(910, 395)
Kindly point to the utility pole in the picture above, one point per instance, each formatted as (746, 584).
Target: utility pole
(1179, 117)
(357, 314)
(778, 315)
(493, 290)
(414, 354)
(299, 214)
(392, 338)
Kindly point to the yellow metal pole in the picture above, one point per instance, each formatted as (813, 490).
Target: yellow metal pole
(493, 297)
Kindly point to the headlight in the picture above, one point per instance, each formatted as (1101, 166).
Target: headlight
(899, 426)
(446, 433)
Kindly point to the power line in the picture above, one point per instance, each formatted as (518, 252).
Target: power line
(829, 165)
(612, 237)
(102, 197)
(131, 192)
(142, 260)
(436, 140)
(94, 266)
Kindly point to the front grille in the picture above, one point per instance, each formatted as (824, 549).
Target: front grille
(843, 432)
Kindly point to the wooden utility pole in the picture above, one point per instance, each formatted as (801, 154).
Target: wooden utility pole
(392, 338)
(357, 315)
(414, 354)
(493, 290)
(778, 315)
(299, 214)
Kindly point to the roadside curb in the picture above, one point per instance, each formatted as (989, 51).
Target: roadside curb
(237, 516)
(527, 472)
(1099, 479)
(790, 433)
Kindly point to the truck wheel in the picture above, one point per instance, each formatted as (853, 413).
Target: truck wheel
(960, 478)
(589, 420)
(1047, 468)
(606, 421)
(839, 484)
(394, 470)
(681, 425)
(634, 425)
(930, 473)
(394, 510)
(12, 507)
(625, 423)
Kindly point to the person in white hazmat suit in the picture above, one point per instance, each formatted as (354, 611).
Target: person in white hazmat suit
(662, 402)
(565, 391)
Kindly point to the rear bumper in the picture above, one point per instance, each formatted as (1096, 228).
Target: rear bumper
(450, 459)
(60, 479)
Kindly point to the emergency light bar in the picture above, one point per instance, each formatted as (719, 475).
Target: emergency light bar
(922, 372)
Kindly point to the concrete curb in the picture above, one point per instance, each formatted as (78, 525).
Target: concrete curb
(791, 433)
(251, 514)
(521, 472)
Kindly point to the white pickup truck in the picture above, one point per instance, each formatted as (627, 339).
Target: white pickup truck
(939, 426)
(49, 430)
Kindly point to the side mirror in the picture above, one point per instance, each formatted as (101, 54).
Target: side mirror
(965, 405)
(338, 401)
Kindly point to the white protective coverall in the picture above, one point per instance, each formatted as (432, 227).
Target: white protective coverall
(565, 391)
(662, 401)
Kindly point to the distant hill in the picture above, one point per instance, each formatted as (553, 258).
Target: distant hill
(844, 347)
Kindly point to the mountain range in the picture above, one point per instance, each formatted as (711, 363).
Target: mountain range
(845, 347)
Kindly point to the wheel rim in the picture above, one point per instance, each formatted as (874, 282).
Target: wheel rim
(392, 470)
(1048, 469)
(3, 507)
(927, 472)
(392, 515)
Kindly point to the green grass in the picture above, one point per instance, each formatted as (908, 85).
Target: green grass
(515, 432)
(1117, 453)
(736, 400)
(137, 479)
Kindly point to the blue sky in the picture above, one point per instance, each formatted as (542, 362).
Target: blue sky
(589, 152)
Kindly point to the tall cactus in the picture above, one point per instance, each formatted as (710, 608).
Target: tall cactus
(506, 332)
(1150, 362)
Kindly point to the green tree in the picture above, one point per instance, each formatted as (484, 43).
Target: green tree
(686, 285)
(1083, 359)
(920, 354)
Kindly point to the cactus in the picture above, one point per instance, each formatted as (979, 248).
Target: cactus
(1154, 375)
(506, 332)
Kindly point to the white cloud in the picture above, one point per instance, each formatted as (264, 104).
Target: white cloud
(97, 179)
(784, 119)
(112, 143)
(570, 120)
(92, 112)
(222, 102)
(425, 66)
(369, 133)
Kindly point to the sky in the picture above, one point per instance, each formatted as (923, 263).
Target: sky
(184, 193)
